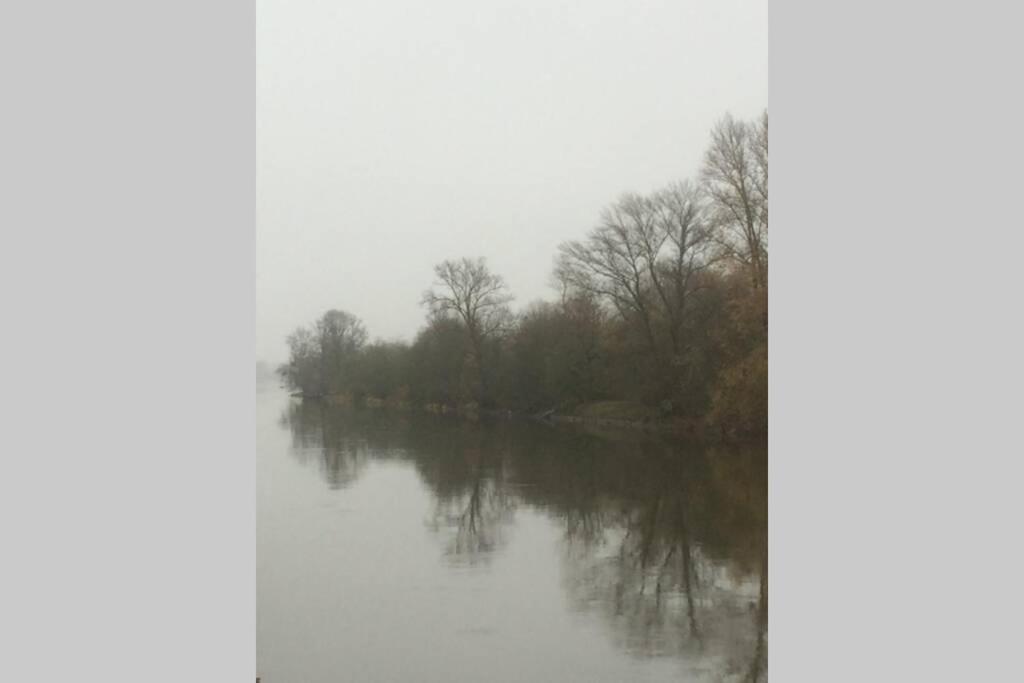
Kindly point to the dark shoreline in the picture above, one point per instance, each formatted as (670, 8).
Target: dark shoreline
(688, 430)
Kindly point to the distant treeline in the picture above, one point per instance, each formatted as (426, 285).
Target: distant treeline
(662, 306)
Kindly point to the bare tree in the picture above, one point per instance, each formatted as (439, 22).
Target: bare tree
(467, 289)
(340, 332)
(735, 178)
(303, 370)
(321, 355)
(687, 238)
(614, 261)
(642, 259)
(341, 336)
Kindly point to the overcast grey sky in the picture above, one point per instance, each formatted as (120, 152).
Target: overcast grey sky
(397, 133)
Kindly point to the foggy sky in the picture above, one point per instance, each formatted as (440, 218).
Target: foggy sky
(395, 134)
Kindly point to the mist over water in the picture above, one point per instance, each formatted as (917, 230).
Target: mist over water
(482, 208)
(397, 547)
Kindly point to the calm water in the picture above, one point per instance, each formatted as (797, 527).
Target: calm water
(418, 548)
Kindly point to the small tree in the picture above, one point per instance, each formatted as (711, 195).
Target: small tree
(321, 356)
(341, 336)
(303, 370)
(435, 361)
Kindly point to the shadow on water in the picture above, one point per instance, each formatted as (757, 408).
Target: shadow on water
(665, 542)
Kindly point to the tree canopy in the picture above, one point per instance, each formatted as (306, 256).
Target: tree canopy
(662, 304)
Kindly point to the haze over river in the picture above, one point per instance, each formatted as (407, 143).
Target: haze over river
(418, 548)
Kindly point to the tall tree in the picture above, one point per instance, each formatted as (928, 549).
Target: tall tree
(643, 260)
(614, 261)
(735, 178)
(683, 230)
(468, 290)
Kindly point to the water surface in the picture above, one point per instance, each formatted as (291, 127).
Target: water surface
(422, 548)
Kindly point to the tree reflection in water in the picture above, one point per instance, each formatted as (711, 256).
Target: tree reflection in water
(319, 437)
(478, 515)
(680, 563)
(667, 542)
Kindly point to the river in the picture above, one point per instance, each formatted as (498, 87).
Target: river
(421, 548)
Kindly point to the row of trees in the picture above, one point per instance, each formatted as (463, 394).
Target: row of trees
(663, 304)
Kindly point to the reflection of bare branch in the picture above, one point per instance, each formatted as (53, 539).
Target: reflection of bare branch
(585, 527)
(694, 608)
(483, 513)
(689, 574)
(317, 437)
(760, 659)
(686, 525)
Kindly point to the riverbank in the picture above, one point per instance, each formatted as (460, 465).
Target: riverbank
(615, 415)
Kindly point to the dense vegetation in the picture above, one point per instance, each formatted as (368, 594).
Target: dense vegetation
(662, 313)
